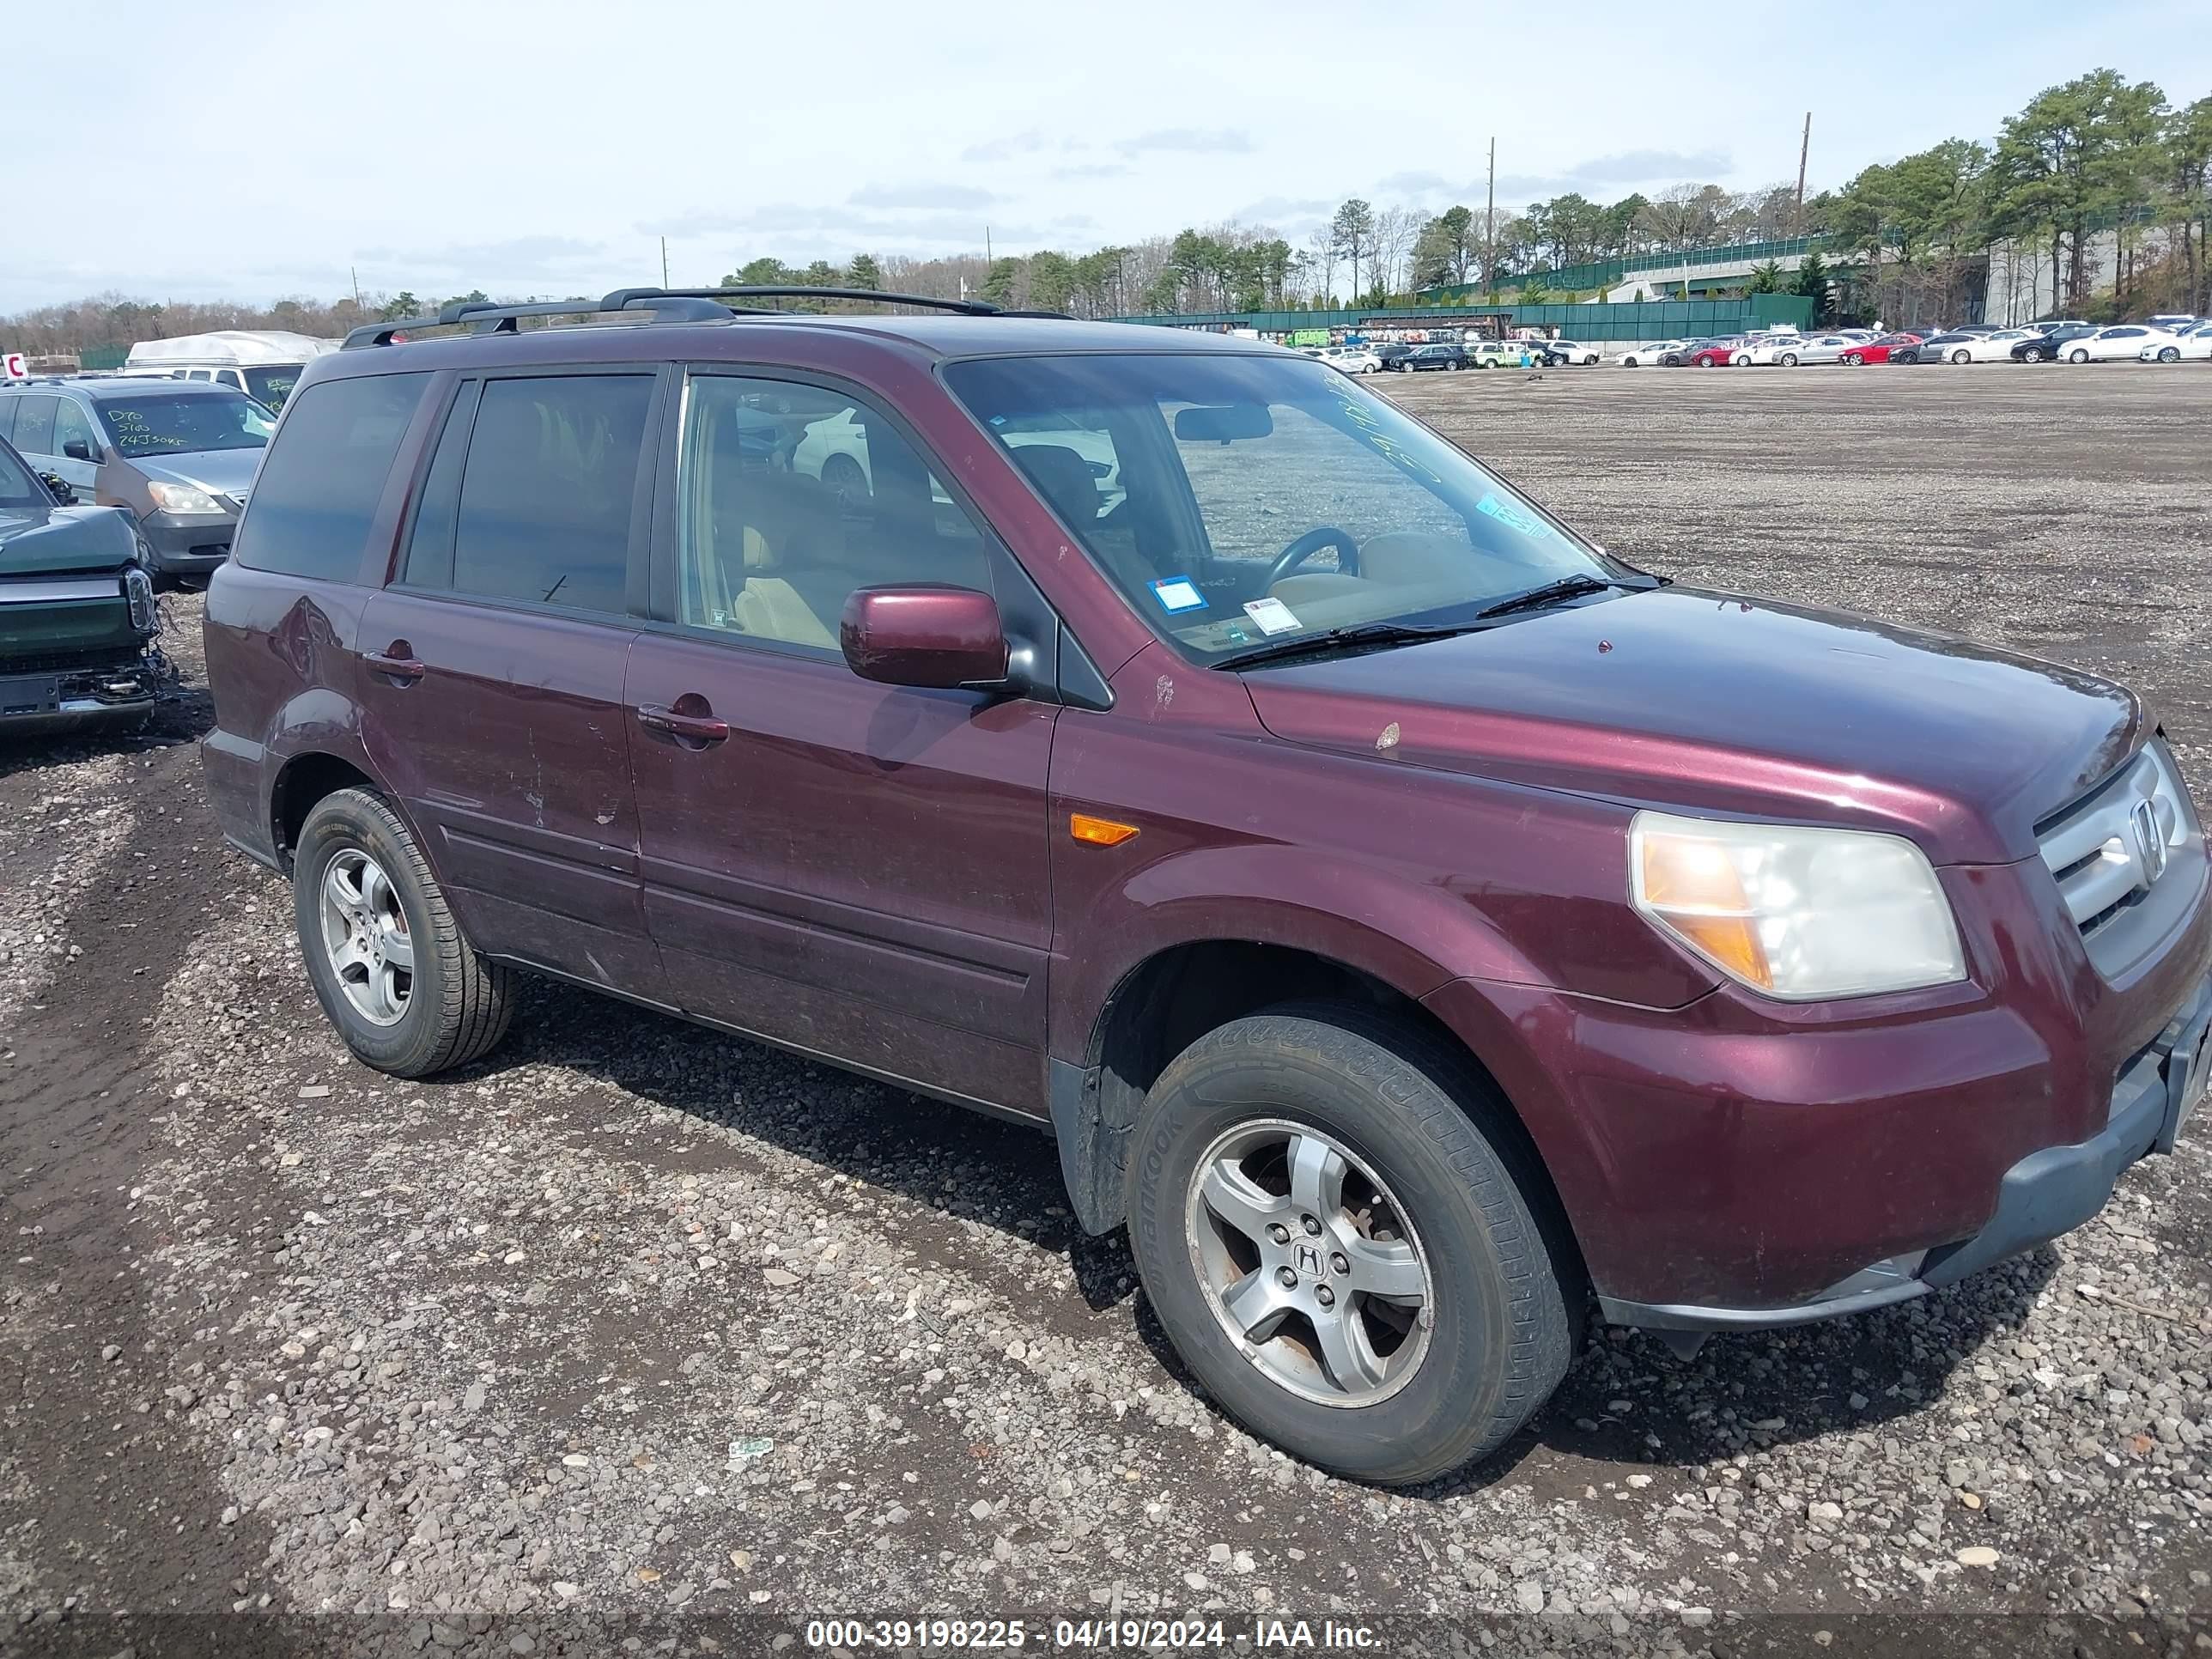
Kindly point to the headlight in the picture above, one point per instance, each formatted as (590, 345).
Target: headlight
(1800, 914)
(138, 595)
(183, 498)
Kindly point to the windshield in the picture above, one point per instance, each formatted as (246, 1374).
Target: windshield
(175, 423)
(1240, 500)
(271, 387)
(18, 490)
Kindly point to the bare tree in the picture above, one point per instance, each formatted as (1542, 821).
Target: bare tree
(1321, 261)
(1395, 231)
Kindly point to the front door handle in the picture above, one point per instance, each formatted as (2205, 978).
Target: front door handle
(396, 661)
(691, 724)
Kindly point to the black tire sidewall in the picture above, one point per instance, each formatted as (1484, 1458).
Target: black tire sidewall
(1448, 1410)
(351, 819)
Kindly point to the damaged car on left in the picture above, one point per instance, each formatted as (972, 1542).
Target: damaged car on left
(78, 622)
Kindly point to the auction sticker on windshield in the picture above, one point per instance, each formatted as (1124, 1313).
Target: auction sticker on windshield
(1514, 516)
(1178, 593)
(1272, 615)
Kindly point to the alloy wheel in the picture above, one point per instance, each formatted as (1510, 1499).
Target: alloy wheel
(366, 939)
(1310, 1263)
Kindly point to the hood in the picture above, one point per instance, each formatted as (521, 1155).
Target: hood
(40, 541)
(1691, 700)
(226, 471)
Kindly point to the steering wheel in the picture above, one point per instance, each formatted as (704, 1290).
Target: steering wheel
(1327, 535)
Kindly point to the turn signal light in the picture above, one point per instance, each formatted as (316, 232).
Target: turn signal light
(1099, 832)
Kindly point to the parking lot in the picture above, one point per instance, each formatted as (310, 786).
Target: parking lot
(639, 1325)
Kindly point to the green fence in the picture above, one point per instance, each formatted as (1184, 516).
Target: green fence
(1653, 319)
(102, 356)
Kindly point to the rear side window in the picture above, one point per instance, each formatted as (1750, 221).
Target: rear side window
(319, 484)
(548, 488)
(34, 425)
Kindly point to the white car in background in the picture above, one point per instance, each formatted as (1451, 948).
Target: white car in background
(1352, 360)
(1827, 348)
(1577, 352)
(1647, 355)
(2189, 345)
(1785, 350)
(2121, 343)
(1990, 347)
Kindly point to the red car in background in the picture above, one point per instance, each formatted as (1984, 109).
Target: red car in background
(1877, 351)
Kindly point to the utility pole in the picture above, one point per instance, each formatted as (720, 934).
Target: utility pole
(354, 271)
(1489, 225)
(1804, 149)
(664, 262)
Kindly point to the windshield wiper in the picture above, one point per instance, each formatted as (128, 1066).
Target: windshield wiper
(1567, 587)
(1338, 639)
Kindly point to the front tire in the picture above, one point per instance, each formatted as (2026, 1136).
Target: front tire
(1789, 359)
(1334, 1231)
(407, 993)
(2077, 356)
(1962, 356)
(1854, 358)
(2169, 354)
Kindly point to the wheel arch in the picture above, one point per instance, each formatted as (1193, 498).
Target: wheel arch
(1176, 993)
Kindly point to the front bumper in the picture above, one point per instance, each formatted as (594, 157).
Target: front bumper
(2045, 1194)
(78, 700)
(187, 546)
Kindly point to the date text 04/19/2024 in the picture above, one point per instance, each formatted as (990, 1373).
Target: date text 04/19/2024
(1264, 1635)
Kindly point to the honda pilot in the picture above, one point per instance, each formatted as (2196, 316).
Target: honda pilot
(1416, 925)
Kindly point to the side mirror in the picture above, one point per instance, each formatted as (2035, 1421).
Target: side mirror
(58, 488)
(78, 450)
(924, 635)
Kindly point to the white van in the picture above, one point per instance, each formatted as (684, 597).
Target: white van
(263, 363)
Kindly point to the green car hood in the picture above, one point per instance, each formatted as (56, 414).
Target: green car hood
(61, 541)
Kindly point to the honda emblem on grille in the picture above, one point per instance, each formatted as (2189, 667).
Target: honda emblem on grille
(2150, 842)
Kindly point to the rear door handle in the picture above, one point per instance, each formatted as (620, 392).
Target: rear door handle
(394, 663)
(689, 727)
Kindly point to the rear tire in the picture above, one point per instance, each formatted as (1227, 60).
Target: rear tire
(454, 1004)
(1404, 1119)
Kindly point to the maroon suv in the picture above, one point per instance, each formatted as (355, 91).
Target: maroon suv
(1411, 921)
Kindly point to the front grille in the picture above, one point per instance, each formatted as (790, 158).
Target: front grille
(2110, 850)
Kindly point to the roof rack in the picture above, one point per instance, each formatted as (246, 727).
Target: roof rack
(801, 291)
(666, 305)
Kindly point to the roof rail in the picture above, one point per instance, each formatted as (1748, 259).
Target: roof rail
(667, 305)
(800, 291)
(489, 316)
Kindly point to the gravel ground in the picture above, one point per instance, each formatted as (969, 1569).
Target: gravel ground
(640, 1336)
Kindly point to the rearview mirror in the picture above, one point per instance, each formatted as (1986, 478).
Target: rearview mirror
(924, 635)
(1207, 423)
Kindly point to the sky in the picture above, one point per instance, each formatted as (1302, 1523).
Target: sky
(252, 149)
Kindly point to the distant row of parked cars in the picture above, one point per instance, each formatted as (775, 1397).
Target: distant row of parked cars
(2161, 340)
(1472, 354)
